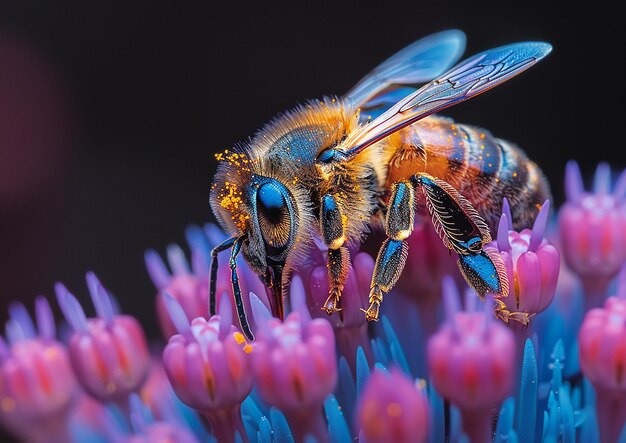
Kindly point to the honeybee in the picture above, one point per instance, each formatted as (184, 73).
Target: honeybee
(334, 168)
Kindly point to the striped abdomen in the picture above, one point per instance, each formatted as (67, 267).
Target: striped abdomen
(481, 167)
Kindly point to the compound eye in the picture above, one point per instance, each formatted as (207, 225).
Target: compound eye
(273, 213)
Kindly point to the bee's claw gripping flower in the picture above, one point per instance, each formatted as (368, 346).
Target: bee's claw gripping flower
(471, 360)
(208, 365)
(37, 386)
(602, 342)
(392, 408)
(295, 366)
(109, 353)
(592, 228)
(532, 266)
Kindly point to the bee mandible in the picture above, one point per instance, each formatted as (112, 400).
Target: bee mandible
(334, 168)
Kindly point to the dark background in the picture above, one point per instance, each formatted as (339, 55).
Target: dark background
(110, 113)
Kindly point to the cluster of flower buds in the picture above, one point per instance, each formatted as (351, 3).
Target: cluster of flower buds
(208, 365)
(592, 227)
(602, 344)
(37, 385)
(532, 265)
(294, 364)
(392, 408)
(109, 353)
(472, 361)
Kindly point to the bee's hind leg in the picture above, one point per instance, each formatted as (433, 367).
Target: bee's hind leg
(332, 225)
(393, 252)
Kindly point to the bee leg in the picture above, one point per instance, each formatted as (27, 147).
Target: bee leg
(501, 312)
(332, 225)
(234, 278)
(463, 230)
(213, 279)
(392, 255)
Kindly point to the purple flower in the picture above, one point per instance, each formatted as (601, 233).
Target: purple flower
(294, 364)
(37, 385)
(349, 324)
(208, 365)
(532, 266)
(392, 408)
(472, 362)
(602, 343)
(109, 353)
(190, 289)
(592, 227)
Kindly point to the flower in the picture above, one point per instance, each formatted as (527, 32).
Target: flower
(109, 353)
(602, 339)
(294, 364)
(37, 385)
(334, 378)
(349, 324)
(208, 365)
(471, 360)
(189, 285)
(592, 227)
(532, 265)
(392, 408)
(191, 290)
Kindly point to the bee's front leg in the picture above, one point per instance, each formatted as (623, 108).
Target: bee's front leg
(392, 255)
(332, 226)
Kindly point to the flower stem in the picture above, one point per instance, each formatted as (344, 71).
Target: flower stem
(225, 422)
(595, 291)
(611, 412)
(477, 425)
(305, 423)
(53, 430)
(349, 340)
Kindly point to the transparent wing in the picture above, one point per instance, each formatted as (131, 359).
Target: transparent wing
(419, 62)
(466, 80)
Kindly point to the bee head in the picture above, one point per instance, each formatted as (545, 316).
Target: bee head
(264, 210)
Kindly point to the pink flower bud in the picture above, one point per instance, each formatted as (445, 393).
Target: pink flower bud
(109, 353)
(392, 408)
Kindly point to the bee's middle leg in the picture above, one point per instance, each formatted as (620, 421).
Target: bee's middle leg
(393, 252)
(332, 224)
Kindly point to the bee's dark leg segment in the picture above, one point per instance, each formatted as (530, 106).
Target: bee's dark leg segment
(389, 264)
(463, 230)
(338, 264)
(227, 244)
(400, 211)
(241, 313)
(332, 225)
(392, 255)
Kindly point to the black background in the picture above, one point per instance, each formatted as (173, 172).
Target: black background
(153, 90)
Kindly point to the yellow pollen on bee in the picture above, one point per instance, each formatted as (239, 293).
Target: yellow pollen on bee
(515, 174)
(239, 338)
(247, 348)
(394, 410)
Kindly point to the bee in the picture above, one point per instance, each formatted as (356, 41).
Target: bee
(333, 169)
